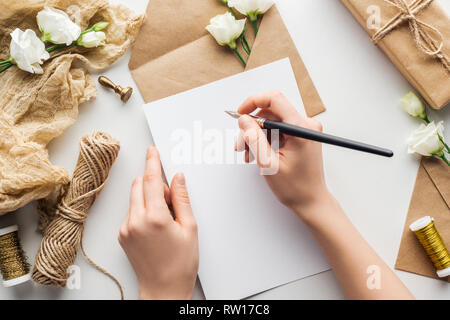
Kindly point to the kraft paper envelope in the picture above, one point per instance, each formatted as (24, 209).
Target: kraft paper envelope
(431, 197)
(174, 53)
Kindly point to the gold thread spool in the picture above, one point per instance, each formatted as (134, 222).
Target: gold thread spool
(13, 264)
(434, 246)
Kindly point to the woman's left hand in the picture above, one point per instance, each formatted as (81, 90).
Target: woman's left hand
(163, 249)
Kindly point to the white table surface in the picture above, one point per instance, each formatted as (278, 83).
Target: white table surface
(361, 89)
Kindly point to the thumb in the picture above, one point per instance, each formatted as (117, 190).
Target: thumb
(257, 142)
(180, 201)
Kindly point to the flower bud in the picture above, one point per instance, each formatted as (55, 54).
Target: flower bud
(413, 105)
(92, 39)
(99, 26)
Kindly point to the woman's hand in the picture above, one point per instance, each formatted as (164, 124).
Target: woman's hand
(299, 181)
(162, 249)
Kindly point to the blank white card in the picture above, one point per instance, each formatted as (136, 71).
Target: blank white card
(249, 242)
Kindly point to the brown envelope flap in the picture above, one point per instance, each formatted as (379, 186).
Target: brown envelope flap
(170, 24)
(175, 53)
(172, 73)
(439, 173)
(426, 200)
(274, 43)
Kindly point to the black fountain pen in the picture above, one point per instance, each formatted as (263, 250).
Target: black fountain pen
(308, 134)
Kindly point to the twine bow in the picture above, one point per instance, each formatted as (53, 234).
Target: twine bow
(422, 31)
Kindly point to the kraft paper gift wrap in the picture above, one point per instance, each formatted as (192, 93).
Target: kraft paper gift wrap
(431, 197)
(174, 52)
(427, 74)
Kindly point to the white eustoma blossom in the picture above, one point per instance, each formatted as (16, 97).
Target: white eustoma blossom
(226, 29)
(28, 51)
(251, 8)
(92, 39)
(56, 26)
(426, 140)
(413, 105)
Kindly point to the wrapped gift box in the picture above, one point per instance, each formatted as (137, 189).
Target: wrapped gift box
(415, 35)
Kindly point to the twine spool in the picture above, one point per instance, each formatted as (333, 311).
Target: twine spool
(63, 235)
(13, 264)
(434, 246)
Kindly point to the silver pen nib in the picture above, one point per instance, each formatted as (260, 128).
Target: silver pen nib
(233, 114)
(236, 115)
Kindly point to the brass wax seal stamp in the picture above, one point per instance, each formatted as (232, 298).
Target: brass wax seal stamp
(125, 93)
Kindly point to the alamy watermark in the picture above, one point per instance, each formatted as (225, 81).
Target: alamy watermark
(200, 146)
(74, 280)
(374, 280)
(374, 20)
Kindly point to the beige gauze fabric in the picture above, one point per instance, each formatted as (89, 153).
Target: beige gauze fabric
(34, 109)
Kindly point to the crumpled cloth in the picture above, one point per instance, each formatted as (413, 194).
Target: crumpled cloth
(34, 109)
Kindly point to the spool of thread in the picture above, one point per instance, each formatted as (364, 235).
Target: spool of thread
(434, 246)
(13, 264)
(63, 235)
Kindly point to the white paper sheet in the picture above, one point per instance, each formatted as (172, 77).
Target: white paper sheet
(248, 241)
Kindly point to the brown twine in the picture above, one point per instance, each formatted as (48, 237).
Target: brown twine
(421, 30)
(64, 233)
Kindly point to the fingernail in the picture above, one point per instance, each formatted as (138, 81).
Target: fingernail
(240, 142)
(135, 181)
(245, 122)
(180, 179)
(151, 150)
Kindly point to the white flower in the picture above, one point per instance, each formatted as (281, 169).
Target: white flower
(92, 39)
(226, 29)
(57, 27)
(27, 51)
(413, 105)
(251, 8)
(426, 140)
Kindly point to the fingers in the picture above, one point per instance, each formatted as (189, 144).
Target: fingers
(137, 196)
(257, 142)
(136, 207)
(149, 199)
(180, 202)
(167, 195)
(153, 183)
(154, 196)
(240, 143)
(268, 114)
(274, 100)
